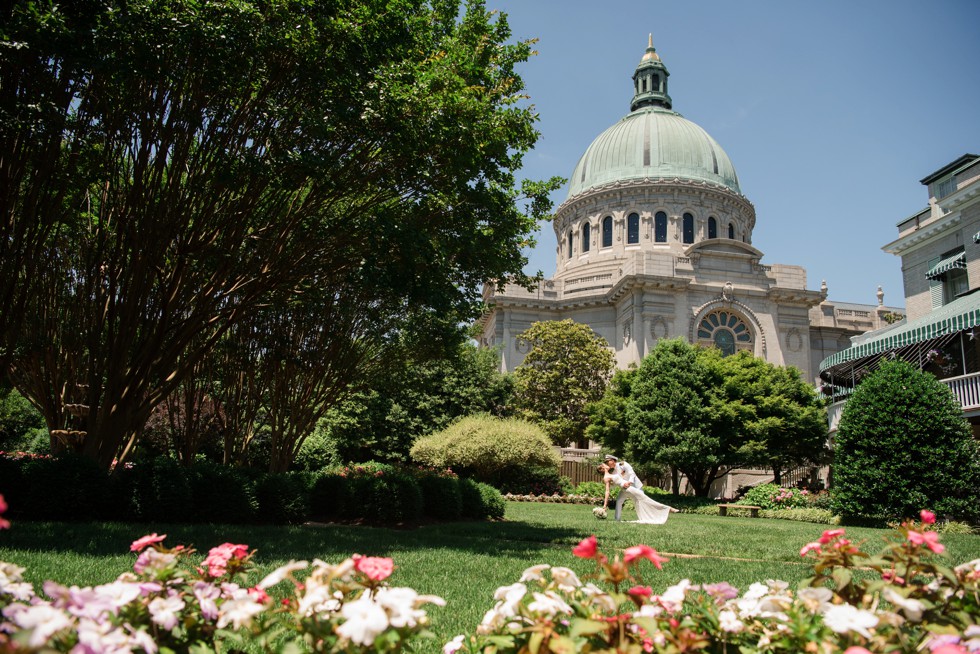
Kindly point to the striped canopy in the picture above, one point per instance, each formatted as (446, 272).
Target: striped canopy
(960, 314)
(946, 264)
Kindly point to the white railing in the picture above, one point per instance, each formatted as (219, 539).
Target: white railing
(966, 388)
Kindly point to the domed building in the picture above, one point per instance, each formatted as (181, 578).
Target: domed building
(655, 241)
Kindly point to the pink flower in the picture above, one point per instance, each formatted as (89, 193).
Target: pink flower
(640, 591)
(218, 557)
(375, 567)
(855, 649)
(587, 549)
(830, 535)
(928, 517)
(140, 543)
(930, 539)
(259, 595)
(950, 648)
(631, 554)
(4, 524)
(810, 547)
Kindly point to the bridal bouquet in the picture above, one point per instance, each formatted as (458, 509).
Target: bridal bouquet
(599, 512)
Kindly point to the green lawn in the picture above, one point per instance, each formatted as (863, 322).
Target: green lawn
(462, 562)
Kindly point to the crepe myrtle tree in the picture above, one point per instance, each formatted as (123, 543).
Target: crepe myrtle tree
(567, 367)
(175, 165)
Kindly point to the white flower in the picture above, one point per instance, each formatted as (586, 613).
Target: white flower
(912, 608)
(239, 612)
(566, 579)
(534, 572)
(165, 610)
(454, 645)
(364, 620)
(816, 600)
(648, 610)
(318, 598)
(103, 637)
(673, 598)
(42, 621)
(119, 593)
(207, 596)
(844, 618)
(549, 603)
(399, 604)
(756, 591)
(729, 622)
(600, 598)
(281, 573)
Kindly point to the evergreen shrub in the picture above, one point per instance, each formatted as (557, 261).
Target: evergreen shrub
(283, 498)
(441, 496)
(903, 445)
(509, 453)
(329, 496)
(221, 494)
(68, 487)
(492, 502)
(481, 501)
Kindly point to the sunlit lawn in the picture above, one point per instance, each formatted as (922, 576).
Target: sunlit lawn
(462, 562)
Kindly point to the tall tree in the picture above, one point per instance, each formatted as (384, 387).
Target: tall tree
(567, 367)
(786, 418)
(201, 159)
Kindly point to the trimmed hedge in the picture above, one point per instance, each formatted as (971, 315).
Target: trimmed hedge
(72, 488)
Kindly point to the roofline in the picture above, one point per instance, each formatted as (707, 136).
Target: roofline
(948, 168)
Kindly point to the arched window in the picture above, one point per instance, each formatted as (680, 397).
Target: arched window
(712, 227)
(688, 228)
(633, 228)
(660, 227)
(586, 236)
(571, 242)
(731, 231)
(607, 232)
(726, 331)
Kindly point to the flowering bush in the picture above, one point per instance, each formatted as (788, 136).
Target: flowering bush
(911, 604)
(169, 603)
(773, 497)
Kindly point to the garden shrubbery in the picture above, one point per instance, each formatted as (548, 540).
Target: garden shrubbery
(71, 488)
(513, 455)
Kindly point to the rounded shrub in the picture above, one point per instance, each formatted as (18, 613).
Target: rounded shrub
(506, 451)
(381, 493)
(329, 496)
(441, 497)
(903, 445)
(481, 501)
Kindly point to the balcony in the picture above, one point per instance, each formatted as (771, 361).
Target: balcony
(966, 388)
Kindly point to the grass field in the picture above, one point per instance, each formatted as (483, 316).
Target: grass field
(462, 562)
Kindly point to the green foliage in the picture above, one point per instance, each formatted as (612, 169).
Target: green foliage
(66, 487)
(488, 449)
(18, 422)
(567, 367)
(529, 480)
(772, 496)
(903, 445)
(607, 416)
(492, 504)
(222, 494)
(591, 489)
(283, 498)
(407, 399)
(441, 495)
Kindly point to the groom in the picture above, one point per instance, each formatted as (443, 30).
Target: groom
(625, 471)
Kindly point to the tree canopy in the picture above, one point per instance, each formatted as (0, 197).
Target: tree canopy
(177, 167)
(568, 366)
(902, 445)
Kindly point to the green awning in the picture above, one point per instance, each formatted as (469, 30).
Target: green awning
(976, 237)
(957, 260)
(960, 314)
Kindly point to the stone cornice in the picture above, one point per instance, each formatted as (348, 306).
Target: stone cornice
(922, 235)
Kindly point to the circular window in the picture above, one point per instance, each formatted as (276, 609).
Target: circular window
(726, 331)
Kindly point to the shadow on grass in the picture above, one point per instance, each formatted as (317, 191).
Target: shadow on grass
(329, 541)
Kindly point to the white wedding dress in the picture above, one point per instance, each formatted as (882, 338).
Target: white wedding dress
(648, 511)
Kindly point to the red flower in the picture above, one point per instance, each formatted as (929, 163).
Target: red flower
(640, 591)
(810, 547)
(830, 535)
(930, 539)
(375, 567)
(587, 549)
(4, 524)
(631, 554)
(928, 517)
(259, 595)
(140, 543)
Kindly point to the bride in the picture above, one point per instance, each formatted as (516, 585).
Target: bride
(648, 511)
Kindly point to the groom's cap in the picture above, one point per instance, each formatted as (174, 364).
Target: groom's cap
(610, 457)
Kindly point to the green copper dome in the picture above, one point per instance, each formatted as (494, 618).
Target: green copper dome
(653, 142)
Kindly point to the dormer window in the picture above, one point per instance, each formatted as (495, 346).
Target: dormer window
(946, 187)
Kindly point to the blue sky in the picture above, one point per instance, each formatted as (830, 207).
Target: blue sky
(831, 111)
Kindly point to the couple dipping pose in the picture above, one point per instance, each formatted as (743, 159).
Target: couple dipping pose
(648, 511)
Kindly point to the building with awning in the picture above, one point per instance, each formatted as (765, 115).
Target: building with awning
(940, 251)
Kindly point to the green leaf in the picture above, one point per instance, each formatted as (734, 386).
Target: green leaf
(580, 627)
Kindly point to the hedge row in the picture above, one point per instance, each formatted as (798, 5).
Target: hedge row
(72, 488)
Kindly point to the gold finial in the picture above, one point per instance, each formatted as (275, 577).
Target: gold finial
(650, 41)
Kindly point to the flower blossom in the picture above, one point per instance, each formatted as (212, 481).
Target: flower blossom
(375, 567)
(631, 554)
(549, 603)
(151, 561)
(218, 557)
(844, 618)
(587, 549)
(454, 645)
(4, 524)
(364, 619)
(829, 535)
(239, 612)
(912, 608)
(928, 517)
(729, 622)
(42, 621)
(566, 579)
(930, 539)
(145, 541)
(165, 610)
(810, 547)
(534, 572)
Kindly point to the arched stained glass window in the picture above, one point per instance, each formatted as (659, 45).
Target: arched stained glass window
(725, 330)
(571, 243)
(607, 232)
(731, 231)
(586, 236)
(688, 228)
(660, 227)
(712, 227)
(633, 228)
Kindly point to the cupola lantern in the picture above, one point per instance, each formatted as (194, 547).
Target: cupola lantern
(650, 81)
